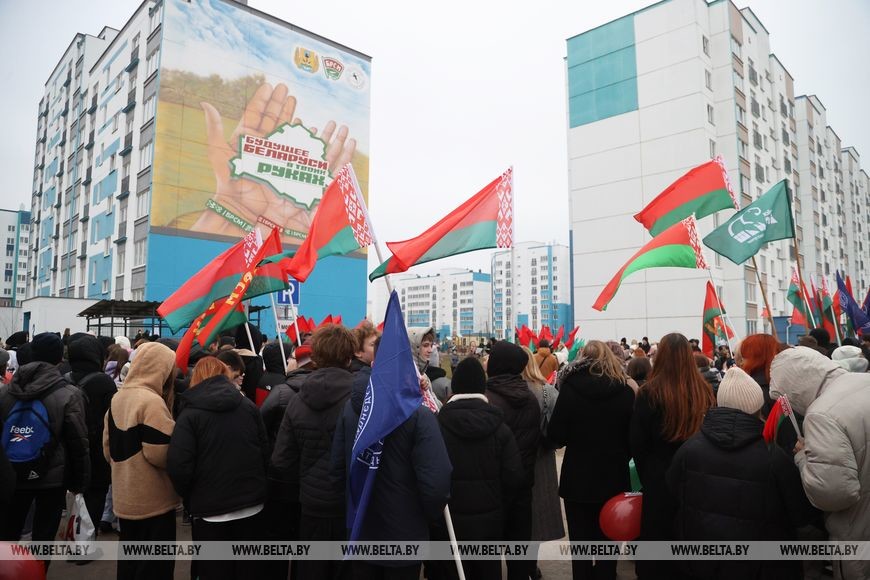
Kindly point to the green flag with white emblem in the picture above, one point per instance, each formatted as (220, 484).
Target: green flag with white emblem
(766, 219)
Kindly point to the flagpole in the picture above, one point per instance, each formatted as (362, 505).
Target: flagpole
(277, 326)
(722, 310)
(797, 256)
(834, 314)
(452, 533)
(764, 295)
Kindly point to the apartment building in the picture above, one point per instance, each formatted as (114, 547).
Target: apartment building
(16, 227)
(455, 301)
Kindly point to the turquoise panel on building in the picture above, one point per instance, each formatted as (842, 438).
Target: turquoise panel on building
(602, 72)
(106, 187)
(481, 277)
(102, 265)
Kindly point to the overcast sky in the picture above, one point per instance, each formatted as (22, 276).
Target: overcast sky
(460, 91)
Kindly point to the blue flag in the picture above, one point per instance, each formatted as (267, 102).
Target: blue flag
(860, 320)
(392, 396)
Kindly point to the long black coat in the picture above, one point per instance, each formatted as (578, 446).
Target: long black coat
(522, 414)
(302, 455)
(276, 402)
(487, 469)
(730, 486)
(219, 452)
(592, 420)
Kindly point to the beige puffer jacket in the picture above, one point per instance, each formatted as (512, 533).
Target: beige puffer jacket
(835, 463)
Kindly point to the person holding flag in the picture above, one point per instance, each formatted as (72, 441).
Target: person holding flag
(389, 452)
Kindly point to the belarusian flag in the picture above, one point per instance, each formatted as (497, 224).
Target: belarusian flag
(798, 318)
(700, 192)
(570, 342)
(798, 298)
(830, 321)
(248, 280)
(340, 225)
(484, 221)
(235, 318)
(714, 326)
(678, 247)
(216, 280)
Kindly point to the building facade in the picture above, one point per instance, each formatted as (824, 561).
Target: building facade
(662, 90)
(150, 161)
(16, 226)
(456, 302)
(535, 291)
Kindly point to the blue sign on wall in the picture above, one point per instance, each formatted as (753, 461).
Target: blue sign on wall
(290, 295)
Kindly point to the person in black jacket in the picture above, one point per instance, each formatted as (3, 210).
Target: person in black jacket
(251, 358)
(217, 461)
(412, 484)
(710, 375)
(730, 486)
(487, 469)
(592, 420)
(301, 459)
(507, 389)
(67, 465)
(86, 357)
(272, 360)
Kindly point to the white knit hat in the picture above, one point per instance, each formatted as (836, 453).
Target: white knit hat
(739, 391)
(850, 358)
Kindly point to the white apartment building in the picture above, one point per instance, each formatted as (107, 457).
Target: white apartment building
(15, 226)
(650, 96)
(535, 291)
(455, 301)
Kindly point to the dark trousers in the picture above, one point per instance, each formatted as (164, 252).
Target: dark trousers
(583, 527)
(518, 528)
(50, 504)
(312, 528)
(366, 571)
(95, 501)
(282, 522)
(155, 529)
(244, 530)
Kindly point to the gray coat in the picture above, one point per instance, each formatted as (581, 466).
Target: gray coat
(69, 464)
(835, 463)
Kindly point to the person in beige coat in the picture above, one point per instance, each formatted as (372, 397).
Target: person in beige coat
(136, 438)
(833, 458)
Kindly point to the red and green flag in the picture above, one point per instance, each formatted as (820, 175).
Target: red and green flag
(340, 225)
(714, 327)
(830, 316)
(702, 191)
(235, 318)
(570, 342)
(797, 295)
(483, 221)
(677, 247)
(213, 282)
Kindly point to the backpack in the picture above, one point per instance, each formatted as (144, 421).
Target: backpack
(28, 439)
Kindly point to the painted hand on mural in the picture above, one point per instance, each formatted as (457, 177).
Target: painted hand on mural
(267, 109)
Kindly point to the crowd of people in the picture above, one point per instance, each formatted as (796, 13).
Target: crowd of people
(254, 442)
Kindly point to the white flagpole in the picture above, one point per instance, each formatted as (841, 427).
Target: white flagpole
(453, 544)
(280, 340)
(833, 316)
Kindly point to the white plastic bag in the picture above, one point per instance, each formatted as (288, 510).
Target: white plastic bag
(78, 526)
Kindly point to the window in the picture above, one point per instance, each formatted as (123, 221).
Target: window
(705, 45)
(107, 247)
(741, 148)
(150, 108)
(115, 122)
(750, 292)
(155, 17)
(710, 115)
(708, 80)
(751, 327)
(143, 203)
(151, 63)
(140, 249)
(146, 154)
(741, 115)
(111, 162)
(712, 148)
(105, 288)
(93, 275)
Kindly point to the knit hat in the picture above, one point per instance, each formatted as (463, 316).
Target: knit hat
(469, 377)
(506, 358)
(47, 347)
(850, 358)
(739, 391)
(123, 341)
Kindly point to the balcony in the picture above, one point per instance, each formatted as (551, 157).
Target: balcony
(68, 79)
(125, 188)
(93, 108)
(122, 233)
(753, 76)
(134, 59)
(90, 142)
(83, 253)
(128, 145)
(65, 110)
(85, 213)
(87, 178)
(59, 170)
(131, 101)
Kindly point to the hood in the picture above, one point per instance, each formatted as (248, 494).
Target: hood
(324, 388)
(470, 418)
(731, 429)
(544, 350)
(506, 358)
(297, 377)
(416, 334)
(801, 373)
(586, 385)
(151, 368)
(272, 358)
(16, 339)
(242, 341)
(512, 388)
(33, 379)
(86, 355)
(216, 394)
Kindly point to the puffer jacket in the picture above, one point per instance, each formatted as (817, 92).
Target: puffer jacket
(219, 453)
(512, 395)
(68, 464)
(136, 437)
(731, 487)
(274, 373)
(276, 402)
(86, 360)
(301, 459)
(835, 462)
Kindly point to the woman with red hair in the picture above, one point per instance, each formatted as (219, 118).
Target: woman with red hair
(754, 356)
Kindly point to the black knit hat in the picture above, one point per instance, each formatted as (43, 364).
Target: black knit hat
(468, 377)
(47, 347)
(506, 358)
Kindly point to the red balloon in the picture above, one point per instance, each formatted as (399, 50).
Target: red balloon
(620, 517)
(22, 567)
